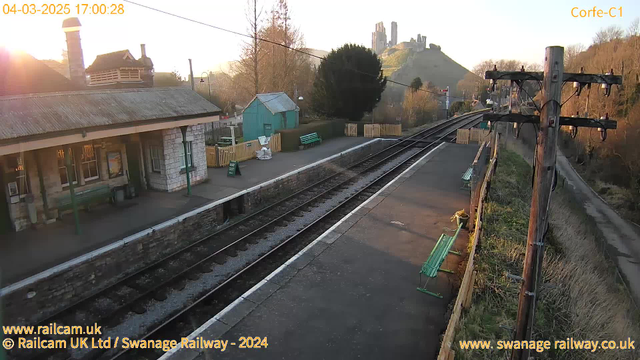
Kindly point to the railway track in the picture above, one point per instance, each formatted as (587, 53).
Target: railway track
(173, 296)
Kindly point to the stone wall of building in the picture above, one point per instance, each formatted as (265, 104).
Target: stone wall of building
(49, 163)
(155, 179)
(173, 153)
(60, 289)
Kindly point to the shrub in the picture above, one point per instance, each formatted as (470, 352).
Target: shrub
(326, 130)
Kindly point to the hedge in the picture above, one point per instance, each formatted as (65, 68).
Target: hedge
(326, 129)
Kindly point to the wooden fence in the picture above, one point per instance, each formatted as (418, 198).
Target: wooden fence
(221, 156)
(465, 293)
(473, 135)
(350, 129)
(378, 130)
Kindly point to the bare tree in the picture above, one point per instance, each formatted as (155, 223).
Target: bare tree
(634, 28)
(246, 69)
(284, 68)
(253, 24)
(570, 54)
(610, 33)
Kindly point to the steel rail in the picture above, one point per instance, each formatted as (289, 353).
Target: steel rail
(294, 236)
(158, 264)
(239, 221)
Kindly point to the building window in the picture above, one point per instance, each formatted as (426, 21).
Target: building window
(17, 182)
(189, 155)
(62, 169)
(89, 163)
(156, 157)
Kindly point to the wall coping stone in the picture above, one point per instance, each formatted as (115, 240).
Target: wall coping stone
(141, 234)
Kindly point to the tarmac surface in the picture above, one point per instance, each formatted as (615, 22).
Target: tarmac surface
(622, 236)
(29, 252)
(352, 292)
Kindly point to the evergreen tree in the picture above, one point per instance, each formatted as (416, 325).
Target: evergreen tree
(349, 83)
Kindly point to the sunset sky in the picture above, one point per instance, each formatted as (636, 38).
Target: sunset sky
(467, 31)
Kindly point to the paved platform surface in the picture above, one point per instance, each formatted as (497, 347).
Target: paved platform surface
(352, 293)
(28, 252)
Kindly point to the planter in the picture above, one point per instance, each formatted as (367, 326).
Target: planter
(462, 220)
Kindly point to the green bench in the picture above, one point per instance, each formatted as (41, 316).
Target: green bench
(431, 267)
(466, 178)
(84, 198)
(310, 139)
(225, 141)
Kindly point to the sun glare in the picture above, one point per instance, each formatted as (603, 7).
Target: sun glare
(11, 46)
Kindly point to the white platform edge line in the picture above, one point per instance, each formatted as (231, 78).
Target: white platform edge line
(242, 297)
(119, 243)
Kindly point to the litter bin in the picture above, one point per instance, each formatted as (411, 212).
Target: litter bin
(131, 191)
(119, 195)
(31, 208)
(462, 220)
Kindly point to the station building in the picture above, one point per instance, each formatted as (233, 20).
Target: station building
(105, 130)
(118, 138)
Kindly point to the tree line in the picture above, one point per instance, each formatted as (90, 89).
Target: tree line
(616, 161)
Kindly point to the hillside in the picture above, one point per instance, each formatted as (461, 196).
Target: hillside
(404, 62)
(613, 166)
(315, 61)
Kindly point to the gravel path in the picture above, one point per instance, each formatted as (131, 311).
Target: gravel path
(619, 233)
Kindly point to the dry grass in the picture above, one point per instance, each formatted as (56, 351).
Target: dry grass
(601, 307)
(581, 296)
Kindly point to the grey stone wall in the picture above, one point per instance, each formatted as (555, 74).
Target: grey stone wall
(68, 286)
(155, 179)
(172, 145)
(51, 176)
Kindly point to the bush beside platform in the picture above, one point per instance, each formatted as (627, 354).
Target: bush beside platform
(326, 129)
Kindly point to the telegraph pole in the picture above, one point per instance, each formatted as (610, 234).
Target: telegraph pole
(549, 122)
(545, 156)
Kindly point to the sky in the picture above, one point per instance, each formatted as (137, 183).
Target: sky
(468, 31)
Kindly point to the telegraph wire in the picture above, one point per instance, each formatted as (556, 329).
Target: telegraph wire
(270, 42)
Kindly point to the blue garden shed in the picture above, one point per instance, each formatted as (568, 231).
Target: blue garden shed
(267, 113)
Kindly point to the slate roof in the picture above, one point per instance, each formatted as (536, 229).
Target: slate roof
(276, 102)
(21, 73)
(39, 114)
(114, 60)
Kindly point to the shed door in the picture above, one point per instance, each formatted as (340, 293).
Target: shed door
(267, 130)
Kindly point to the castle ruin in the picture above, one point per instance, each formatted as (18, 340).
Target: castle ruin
(379, 39)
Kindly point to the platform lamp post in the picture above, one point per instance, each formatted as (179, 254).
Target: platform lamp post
(186, 157)
(208, 82)
(300, 98)
(72, 193)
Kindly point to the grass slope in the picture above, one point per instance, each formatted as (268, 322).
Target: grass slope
(404, 65)
(580, 297)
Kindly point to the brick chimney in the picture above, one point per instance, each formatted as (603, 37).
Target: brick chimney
(147, 73)
(71, 28)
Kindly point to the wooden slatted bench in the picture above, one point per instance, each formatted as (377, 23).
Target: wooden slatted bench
(466, 178)
(310, 139)
(84, 198)
(431, 267)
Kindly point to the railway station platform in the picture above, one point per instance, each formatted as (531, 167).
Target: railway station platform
(352, 292)
(29, 252)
